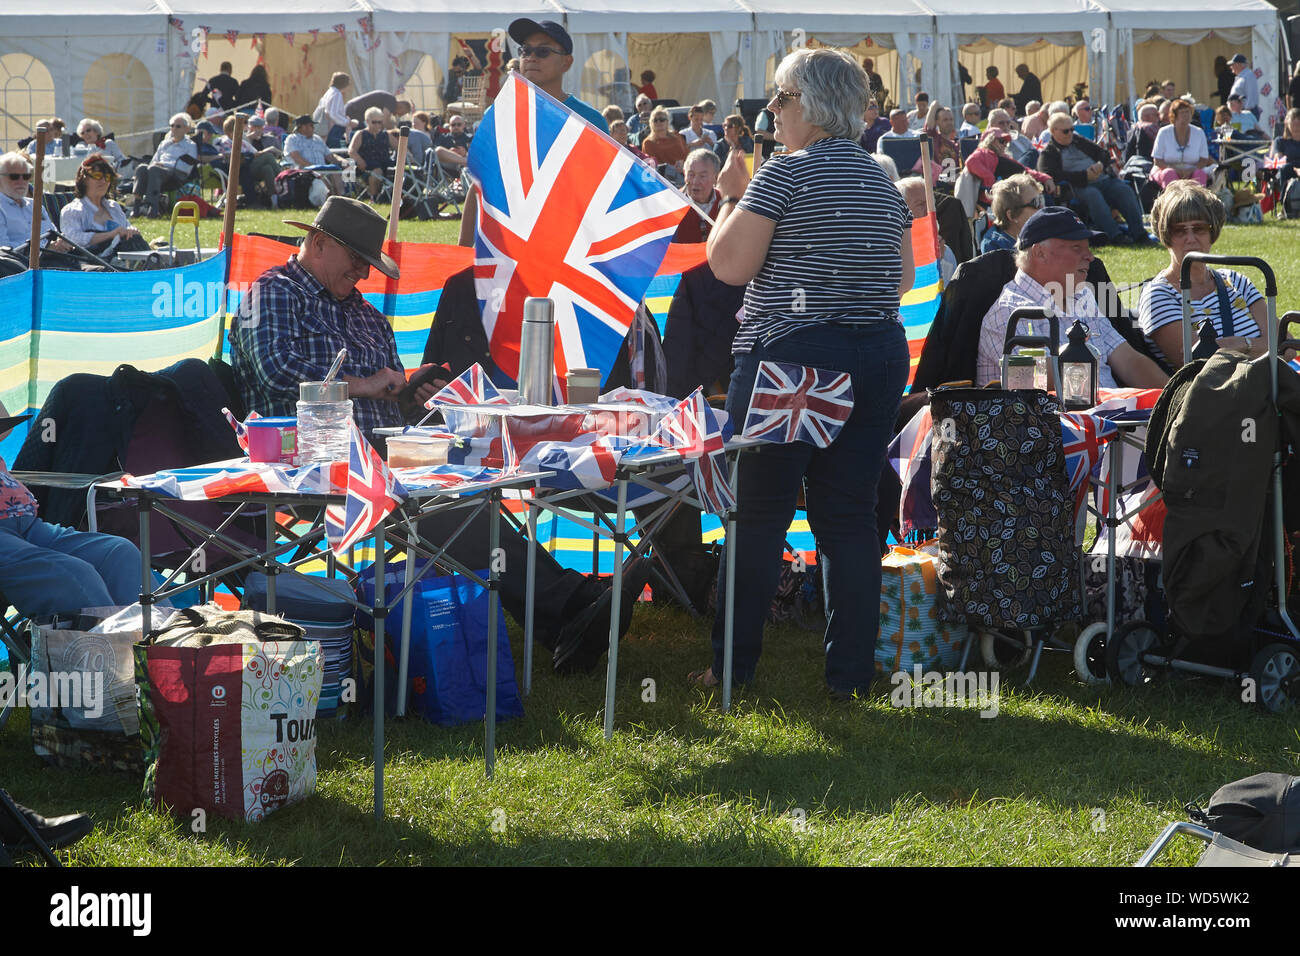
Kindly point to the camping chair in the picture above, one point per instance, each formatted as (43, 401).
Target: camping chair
(18, 647)
(473, 102)
(968, 145)
(905, 151)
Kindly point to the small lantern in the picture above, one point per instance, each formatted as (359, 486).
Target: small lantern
(1078, 365)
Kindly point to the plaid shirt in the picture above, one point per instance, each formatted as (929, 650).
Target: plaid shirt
(292, 335)
(1024, 292)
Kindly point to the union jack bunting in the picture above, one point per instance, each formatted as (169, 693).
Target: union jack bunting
(692, 429)
(372, 493)
(565, 213)
(796, 403)
(471, 387)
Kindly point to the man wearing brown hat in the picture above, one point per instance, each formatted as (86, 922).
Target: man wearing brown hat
(300, 314)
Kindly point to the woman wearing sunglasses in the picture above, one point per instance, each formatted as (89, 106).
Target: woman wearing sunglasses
(823, 240)
(663, 145)
(94, 219)
(1013, 200)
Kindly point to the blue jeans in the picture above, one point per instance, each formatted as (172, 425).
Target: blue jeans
(49, 569)
(840, 487)
(336, 137)
(1110, 193)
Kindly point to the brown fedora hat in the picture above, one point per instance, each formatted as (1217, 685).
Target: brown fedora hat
(355, 225)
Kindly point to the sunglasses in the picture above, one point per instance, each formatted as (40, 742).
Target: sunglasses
(99, 174)
(660, 120)
(358, 261)
(1035, 203)
(19, 175)
(785, 96)
(538, 52)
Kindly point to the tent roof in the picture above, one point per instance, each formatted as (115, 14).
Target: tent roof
(455, 16)
(841, 16)
(86, 18)
(1008, 17)
(634, 16)
(269, 16)
(1190, 14)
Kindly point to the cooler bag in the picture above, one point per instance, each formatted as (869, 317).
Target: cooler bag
(911, 631)
(324, 608)
(447, 660)
(228, 713)
(81, 690)
(1007, 555)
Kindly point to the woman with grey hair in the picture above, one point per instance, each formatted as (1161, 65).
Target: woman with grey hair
(91, 135)
(823, 240)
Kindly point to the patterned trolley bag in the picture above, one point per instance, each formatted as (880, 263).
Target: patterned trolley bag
(1007, 555)
(228, 712)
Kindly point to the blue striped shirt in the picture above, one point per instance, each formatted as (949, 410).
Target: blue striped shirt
(835, 253)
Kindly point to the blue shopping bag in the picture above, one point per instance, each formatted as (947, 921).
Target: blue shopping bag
(447, 664)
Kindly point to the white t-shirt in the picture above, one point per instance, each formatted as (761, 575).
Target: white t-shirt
(1167, 150)
(702, 138)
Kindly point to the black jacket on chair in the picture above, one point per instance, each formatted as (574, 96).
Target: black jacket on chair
(698, 333)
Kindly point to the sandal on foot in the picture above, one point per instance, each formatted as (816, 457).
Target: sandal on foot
(703, 678)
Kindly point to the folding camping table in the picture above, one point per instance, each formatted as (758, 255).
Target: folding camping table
(399, 528)
(654, 473)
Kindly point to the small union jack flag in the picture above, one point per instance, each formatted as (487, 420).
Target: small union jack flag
(1083, 435)
(796, 403)
(472, 387)
(372, 494)
(241, 428)
(1274, 162)
(692, 429)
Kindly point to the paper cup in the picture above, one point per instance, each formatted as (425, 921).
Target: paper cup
(584, 386)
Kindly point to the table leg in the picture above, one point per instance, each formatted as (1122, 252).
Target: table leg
(494, 612)
(403, 661)
(381, 611)
(615, 609)
(530, 595)
(270, 547)
(1114, 479)
(729, 600)
(146, 567)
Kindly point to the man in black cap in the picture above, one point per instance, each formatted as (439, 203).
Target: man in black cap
(1052, 265)
(301, 314)
(545, 56)
(1246, 84)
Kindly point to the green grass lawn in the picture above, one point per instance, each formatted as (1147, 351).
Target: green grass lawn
(1064, 774)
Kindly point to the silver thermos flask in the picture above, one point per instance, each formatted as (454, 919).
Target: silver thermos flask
(537, 352)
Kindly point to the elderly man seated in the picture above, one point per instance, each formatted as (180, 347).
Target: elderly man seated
(47, 568)
(1070, 158)
(303, 312)
(172, 163)
(306, 150)
(16, 219)
(702, 168)
(452, 147)
(1052, 263)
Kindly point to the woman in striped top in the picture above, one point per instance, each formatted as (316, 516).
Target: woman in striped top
(1188, 218)
(823, 240)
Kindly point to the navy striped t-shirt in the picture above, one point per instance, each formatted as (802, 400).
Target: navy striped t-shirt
(835, 253)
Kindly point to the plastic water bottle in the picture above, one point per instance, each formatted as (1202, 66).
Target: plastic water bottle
(324, 422)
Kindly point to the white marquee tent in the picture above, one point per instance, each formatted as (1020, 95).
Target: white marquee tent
(134, 66)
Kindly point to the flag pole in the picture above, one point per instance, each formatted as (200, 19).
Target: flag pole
(38, 199)
(228, 223)
(399, 176)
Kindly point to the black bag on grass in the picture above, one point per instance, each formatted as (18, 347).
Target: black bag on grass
(1262, 811)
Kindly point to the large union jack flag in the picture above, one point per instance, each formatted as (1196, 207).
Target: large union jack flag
(566, 213)
(796, 403)
(471, 387)
(372, 494)
(693, 430)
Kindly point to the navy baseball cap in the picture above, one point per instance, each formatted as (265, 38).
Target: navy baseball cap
(1054, 222)
(523, 28)
(1239, 58)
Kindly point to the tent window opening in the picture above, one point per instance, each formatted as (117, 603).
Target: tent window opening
(423, 87)
(26, 96)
